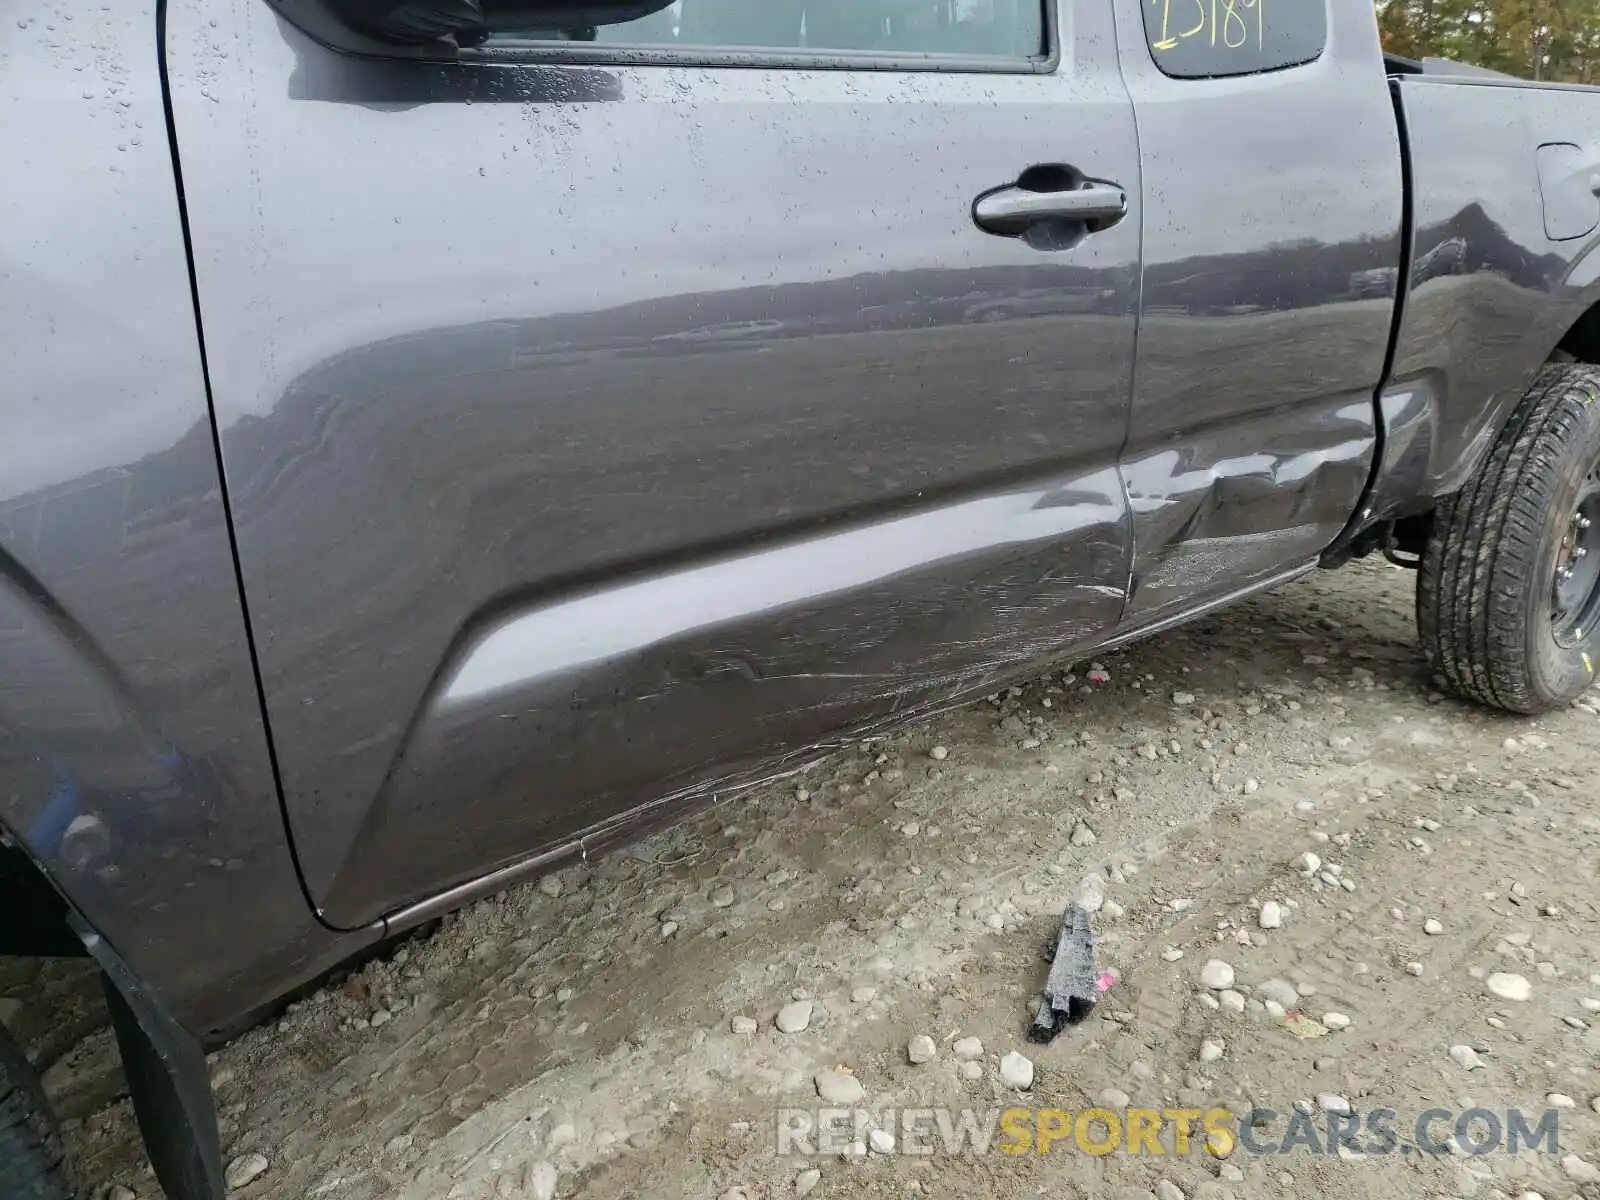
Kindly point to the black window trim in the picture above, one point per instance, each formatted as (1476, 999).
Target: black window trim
(311, 19)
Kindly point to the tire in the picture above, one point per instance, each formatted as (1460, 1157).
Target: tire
(1499, 619)
(32, 1165)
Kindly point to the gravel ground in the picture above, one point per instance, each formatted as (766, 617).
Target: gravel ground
(619, 1030)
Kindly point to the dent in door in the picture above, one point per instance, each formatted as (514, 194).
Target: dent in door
(1227, 506)
(471, 361)
(699, 679)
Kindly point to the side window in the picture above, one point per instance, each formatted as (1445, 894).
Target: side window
(1201, 39)
(988, 28)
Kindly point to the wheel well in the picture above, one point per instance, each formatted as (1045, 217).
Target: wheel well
(36, 915)
(1583, 339)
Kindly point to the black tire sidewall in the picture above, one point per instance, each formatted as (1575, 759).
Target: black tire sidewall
(1556, 671)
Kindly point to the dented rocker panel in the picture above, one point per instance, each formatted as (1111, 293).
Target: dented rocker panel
(558, 718)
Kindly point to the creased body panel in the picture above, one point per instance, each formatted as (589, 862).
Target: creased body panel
(1273, 211)
(700, 679)
(489, 340)
(1227, 506)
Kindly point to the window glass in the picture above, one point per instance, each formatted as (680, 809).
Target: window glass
(1204, 38)
(994, 28)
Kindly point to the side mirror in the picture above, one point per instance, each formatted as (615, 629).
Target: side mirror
(413, 22)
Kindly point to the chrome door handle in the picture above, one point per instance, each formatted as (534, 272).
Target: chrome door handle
(1014, 210)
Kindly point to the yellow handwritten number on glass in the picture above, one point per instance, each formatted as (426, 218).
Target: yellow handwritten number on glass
(1234, 31)
(1232, 21)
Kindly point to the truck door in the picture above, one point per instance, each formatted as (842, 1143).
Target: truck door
(1273, 206)
(614, 415)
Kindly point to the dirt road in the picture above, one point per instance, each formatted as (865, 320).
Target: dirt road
(611, 1031)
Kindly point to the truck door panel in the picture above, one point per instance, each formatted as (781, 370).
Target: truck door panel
(598, 434)
(1271, 258)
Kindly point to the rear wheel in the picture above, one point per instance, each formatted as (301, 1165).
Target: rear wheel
(31, 1160)
(1508, 594)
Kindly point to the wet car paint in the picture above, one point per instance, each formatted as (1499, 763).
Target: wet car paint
(133, 761)
(553, 371)
(456, 502)
(1268, 296)
(1491, 295)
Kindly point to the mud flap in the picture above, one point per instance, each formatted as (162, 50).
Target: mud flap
(168, 1080)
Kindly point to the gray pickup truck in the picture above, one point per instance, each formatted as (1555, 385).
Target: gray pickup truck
(445, 438)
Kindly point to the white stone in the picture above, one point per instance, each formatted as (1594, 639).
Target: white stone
(1114, 1098)
(743, 1024)
(1271, 915)
(1508, 986)
(1167, 1190)
(1280, 990)
(542, 1179)
(939, 753)
(1332, 1102)
(881, 1141)
(1336, 1020)
(921, 1049)
(1091, 894)
(1432, 926)
(839, 1088)
(722, 897)
(1016, 1071)
(1579, 1170)
(967, 1049)
(805, 1182)
(865, 994)
(1559, 1100)
(970, 1070)
(244, 1170)
(1308, 863)
(1466, 1057)
(1211, 1050)
(1232, 1001)
(1216, 975)
(1082, 835)
(793, 1018)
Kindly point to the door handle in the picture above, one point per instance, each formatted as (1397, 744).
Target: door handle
(1014, 210)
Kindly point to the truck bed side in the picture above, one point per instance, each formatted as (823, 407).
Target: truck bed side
(1491, 294)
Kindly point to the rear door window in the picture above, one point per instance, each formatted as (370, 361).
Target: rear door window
(1202, 39)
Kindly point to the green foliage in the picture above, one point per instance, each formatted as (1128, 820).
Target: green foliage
(1534, 39)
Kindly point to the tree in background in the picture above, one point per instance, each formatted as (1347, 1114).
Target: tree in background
(1534, 39)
